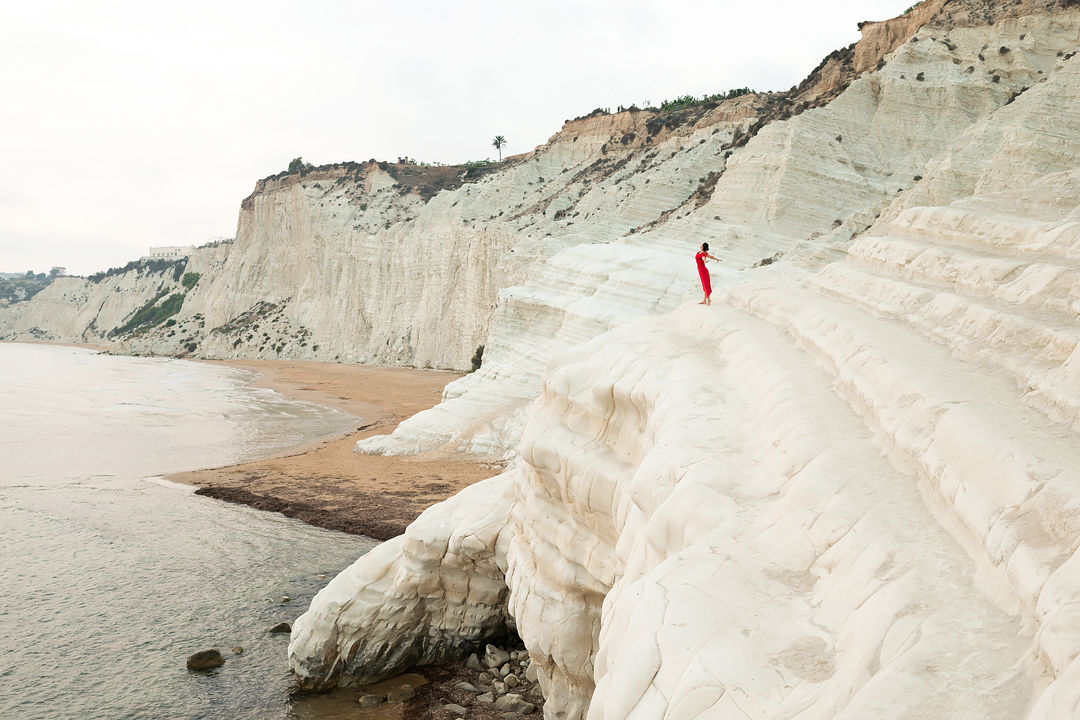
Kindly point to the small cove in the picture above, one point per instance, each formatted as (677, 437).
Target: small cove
(112, 576)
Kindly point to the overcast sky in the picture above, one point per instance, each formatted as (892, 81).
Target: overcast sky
(130, 124)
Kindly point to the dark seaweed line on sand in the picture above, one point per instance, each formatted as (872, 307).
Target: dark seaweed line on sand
(349, 522)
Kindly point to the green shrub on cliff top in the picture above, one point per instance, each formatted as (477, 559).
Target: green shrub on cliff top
(687, 101)
(143, 266)
(298, 165)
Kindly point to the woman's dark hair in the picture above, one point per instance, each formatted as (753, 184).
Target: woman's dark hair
(705, 247)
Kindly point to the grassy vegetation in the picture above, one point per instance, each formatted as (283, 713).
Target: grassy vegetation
(149, 266)
(689, 101)
(152, 314)
(680, 103)
(22, 287)
(190, 279)
(477, 168)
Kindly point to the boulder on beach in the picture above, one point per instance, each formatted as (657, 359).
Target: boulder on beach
(205, 660)
(281, 627)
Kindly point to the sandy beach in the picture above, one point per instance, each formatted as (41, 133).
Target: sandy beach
(326, 483)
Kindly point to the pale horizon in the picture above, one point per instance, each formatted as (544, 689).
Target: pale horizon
(132, 126)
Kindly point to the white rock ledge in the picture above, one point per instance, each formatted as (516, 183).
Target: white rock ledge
(698, 526)
(843, 492)
(431, 592)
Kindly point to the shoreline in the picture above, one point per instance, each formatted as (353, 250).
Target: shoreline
(324, 482)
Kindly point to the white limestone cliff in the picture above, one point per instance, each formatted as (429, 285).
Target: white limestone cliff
(798, 189)
(89, 310)
(397, 263)
(848, 489)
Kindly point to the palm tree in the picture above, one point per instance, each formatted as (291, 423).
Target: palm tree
(498, 144)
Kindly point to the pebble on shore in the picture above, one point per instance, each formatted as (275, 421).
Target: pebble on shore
(490, 685)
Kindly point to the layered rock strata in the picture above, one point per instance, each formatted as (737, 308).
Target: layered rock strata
(403, 264)
(848, 489)
(798, 190)
(367, 263)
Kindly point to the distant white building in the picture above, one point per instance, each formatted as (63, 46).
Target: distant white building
(169, 252)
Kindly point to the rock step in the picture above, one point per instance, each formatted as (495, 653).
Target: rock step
(808, 536)
(588, 290)
(1035, 355)
(1042, 286)
(1008, 477)
(981, 230)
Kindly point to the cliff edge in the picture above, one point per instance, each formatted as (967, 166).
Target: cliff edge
(848, 489)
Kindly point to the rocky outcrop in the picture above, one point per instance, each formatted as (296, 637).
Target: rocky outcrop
(848, 489)
(798, 190)
(437, 593)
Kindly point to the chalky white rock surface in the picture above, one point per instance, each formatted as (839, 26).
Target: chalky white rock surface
(434, 591)
(848, 491)
(344, 264)
(797, 188)
(74, 309)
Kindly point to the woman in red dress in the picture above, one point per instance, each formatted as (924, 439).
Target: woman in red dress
(703, 272)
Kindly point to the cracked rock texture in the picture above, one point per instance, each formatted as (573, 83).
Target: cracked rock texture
(848, 489)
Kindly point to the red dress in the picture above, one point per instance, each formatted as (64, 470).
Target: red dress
(706, 283)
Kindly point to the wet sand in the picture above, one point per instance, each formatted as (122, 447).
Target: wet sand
(326, 483)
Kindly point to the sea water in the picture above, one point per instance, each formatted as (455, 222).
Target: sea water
(110, 576)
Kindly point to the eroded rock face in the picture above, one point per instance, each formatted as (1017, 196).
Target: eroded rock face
(348, 263)
(400, 264)
(432, 592)
(848, 489)
(799, 190)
